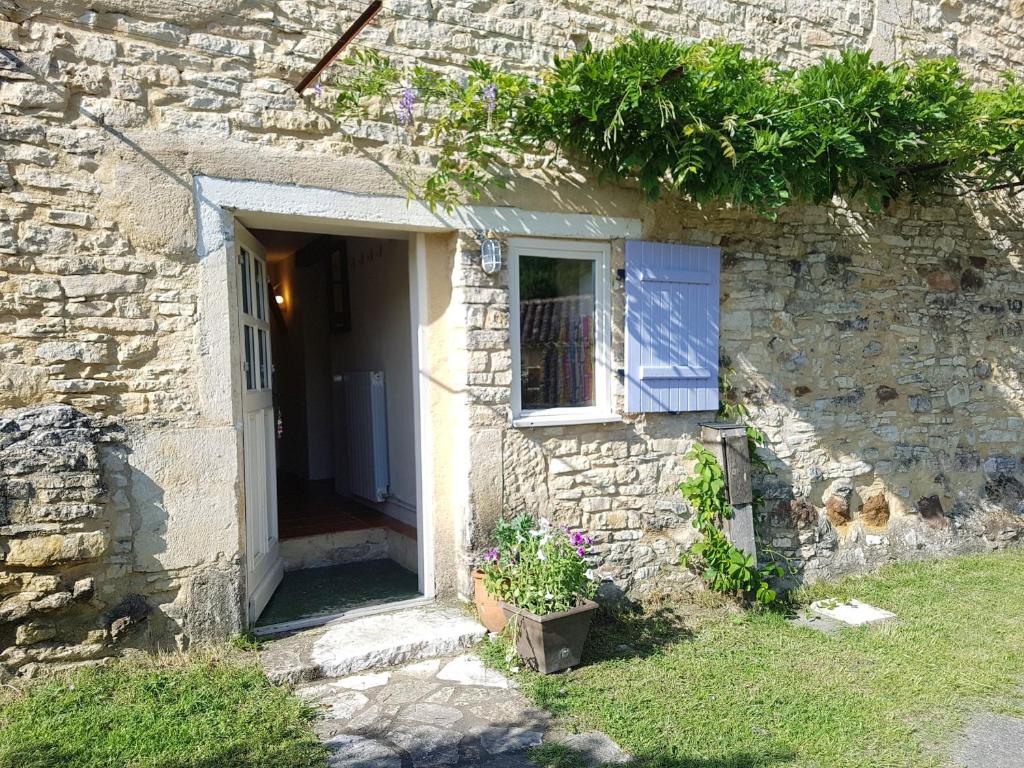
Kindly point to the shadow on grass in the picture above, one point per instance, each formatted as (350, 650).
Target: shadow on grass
(633, 633)
(559, 756)
(295, 755)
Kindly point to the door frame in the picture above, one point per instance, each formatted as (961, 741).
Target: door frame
(312, 209)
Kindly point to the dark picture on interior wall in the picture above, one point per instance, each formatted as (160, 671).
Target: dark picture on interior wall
(341, 310)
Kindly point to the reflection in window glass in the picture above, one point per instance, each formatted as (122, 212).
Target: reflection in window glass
(250, 368)
(556, 332)
(245, 281)
(261, 290)
(262, 336)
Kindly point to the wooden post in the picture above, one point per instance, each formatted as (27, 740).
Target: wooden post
(728, 443)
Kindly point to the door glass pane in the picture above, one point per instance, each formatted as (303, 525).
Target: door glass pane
(250, 368)
(246, 303)
(261, 290)
(556, 332)
(264, 368)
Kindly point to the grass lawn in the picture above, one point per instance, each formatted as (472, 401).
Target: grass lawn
(753, 692)
(204, 713)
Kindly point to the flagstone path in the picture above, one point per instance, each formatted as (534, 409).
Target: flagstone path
(439, 712)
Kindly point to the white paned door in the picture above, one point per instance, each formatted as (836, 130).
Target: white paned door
(263, 551)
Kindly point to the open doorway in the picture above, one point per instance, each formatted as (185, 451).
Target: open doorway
(344, 464)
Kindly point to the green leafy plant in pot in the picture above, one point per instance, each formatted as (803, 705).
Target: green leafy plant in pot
(545, 586)
(507, 533)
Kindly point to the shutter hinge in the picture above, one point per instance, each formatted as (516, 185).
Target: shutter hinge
(620, 275)
(620, 374)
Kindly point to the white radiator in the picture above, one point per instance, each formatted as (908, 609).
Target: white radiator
(364, 433)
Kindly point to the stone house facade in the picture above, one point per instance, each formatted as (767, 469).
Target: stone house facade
(881, 353)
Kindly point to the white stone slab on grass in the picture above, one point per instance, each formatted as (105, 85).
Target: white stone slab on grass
(851, 612)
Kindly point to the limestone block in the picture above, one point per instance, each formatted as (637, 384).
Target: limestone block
(61, 351)
(31, 95)
(89, 286)
(34, 632)
(42, 551)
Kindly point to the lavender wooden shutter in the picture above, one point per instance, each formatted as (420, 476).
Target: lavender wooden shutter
(671, 327)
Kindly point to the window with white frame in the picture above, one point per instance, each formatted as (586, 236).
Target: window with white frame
(561, 331)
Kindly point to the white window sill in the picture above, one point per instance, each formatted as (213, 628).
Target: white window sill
(563, 419)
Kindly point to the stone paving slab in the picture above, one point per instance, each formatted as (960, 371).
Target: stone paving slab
(441, 712)
(349, 646)
(852, 613)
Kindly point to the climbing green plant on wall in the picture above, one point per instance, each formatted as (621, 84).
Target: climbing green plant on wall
(724, 566)
(707, 121)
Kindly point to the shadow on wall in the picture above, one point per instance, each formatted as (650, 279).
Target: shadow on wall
(83, 541)
(193, 598)
(880, 354)
(67, 594)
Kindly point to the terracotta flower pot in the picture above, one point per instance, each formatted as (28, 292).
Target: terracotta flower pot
(554, 641)
(487, 608)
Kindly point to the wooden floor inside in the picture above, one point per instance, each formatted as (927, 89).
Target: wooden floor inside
(311, 508)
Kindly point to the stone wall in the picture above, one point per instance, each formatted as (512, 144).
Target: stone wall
(70, 591)
(63, 534)
(882, 355)
(109, 110)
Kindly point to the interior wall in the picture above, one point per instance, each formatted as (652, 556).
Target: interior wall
(381, 340)
(289, 361)
(313, 285)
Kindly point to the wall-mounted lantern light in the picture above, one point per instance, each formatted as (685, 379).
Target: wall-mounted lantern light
(490, 256)
(279, 299)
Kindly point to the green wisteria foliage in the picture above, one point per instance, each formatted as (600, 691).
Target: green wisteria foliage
(709, 122)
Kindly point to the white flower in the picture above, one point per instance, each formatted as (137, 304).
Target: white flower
(545, 523)
(535, 533)
(590, 574)
(541, 555)
(549, 597)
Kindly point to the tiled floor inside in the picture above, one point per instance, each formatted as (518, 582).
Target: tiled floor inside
(316, 592)
(311, 508)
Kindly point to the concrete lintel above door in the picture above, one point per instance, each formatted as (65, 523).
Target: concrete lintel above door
(258, 203)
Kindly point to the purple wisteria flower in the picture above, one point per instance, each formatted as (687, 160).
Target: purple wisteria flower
(405, 105)
(318, 89)
(491, 555)
(490, 97)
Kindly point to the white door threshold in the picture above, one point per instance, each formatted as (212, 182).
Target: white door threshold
(387, 636)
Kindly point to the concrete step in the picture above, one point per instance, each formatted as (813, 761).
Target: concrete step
(383, 640)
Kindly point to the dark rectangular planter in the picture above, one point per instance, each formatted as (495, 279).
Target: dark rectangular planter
(554, 641)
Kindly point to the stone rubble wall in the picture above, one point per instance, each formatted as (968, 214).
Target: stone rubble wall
(882, 355)
(63, 536)
(107, 112)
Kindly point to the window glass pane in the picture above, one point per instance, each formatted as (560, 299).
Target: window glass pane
(556, 332)
(245, 281)
(264, 368)
(250, 367)
(260, 289)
